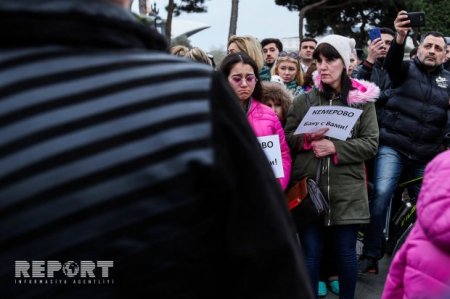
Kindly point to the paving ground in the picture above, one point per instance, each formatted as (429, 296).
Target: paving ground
(370, 286)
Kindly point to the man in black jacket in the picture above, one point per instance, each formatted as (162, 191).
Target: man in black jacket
(372, 68)
(412, 127)
(127, 172)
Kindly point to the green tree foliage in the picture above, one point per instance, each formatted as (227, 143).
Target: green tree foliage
(346, 17)
(189, 6)
(353, 17)
(436, 16)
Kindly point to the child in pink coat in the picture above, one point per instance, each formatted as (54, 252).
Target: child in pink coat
(421, 269)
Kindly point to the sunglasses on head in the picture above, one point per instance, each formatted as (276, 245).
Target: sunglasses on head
(288, 54)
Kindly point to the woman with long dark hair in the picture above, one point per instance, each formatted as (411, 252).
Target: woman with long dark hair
(342, 177)
(242, 74)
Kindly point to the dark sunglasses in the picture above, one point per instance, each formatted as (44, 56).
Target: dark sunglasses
(288, 54)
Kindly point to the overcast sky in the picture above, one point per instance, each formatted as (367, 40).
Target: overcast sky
(260, 18)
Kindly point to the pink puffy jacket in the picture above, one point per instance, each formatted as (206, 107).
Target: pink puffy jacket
(421, 269)
(265, 122)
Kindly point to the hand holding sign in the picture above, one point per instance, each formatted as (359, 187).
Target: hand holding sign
(338, 119)
(317, 135)
(323, 148)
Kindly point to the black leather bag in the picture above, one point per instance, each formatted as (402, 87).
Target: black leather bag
(314, 205)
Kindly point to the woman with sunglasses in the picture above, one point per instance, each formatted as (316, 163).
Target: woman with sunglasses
(242, 74)
(287, 67)
(342, 176)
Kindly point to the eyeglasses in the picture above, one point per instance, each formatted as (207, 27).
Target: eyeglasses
(288, 54)
(250, 79)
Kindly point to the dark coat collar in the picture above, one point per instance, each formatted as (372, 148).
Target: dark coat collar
(436, 71)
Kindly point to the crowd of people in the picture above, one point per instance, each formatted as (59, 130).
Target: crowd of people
(402, 127)
(115, 147)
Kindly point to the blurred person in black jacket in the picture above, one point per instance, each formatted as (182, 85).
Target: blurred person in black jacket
(127, 172)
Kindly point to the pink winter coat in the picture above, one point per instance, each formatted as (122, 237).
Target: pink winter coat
(265, 122)
(421, 269)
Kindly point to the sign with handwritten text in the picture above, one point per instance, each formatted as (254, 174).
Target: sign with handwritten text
(339, 119)
(271, 147)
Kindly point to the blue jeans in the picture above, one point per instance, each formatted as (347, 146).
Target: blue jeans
(389, 166)
(343, 241)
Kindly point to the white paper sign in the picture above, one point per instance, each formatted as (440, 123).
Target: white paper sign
(271, 147)
(339, 119)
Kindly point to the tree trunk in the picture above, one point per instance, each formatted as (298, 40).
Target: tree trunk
(143, 7)
(170, 8)
(302, 13)
(234, 17)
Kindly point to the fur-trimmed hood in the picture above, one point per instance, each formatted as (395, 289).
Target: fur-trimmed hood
(274, 90)
(363, 92)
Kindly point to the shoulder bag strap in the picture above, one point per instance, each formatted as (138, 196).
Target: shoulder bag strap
(319, 164)
(319, 168)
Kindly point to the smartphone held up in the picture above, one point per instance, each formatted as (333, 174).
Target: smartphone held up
(374, 33)
(416, 19)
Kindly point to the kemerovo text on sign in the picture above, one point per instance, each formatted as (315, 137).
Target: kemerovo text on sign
(339, 119)
(271, 146)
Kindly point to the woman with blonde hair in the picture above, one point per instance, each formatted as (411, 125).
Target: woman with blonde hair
(179, 50)
(248, 44)
(198, 55)
(287, 67)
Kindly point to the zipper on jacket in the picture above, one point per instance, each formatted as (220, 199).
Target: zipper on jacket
(328, 183)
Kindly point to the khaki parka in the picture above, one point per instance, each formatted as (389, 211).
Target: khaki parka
(343, 176)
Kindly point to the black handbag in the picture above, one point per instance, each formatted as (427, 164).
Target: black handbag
(314, 205)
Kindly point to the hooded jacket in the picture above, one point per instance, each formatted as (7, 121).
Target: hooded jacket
(421, 269)
(264, 123)
(344, 182)
(274, 90)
